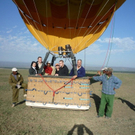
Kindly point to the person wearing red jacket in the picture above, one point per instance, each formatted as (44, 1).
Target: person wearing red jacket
(48, 69)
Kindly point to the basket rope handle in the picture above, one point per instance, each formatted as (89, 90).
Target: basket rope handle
(71, 80)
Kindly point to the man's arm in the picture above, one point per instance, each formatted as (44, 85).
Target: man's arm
(117, 82)
(99, 73)
(11, 81)
(30, 71)
(67, 71)
(20, 79)
(98, 78)
(71, 72)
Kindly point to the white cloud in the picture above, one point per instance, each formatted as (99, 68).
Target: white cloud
(24, 28)
(105, 40)
(20, 33)
(9, 31)
(95, 49)
(20, 44)
(1, 38)
(22, 41)
(119, 45)
(125, 44)
(27, 31)
(15, 27)
(35, 44)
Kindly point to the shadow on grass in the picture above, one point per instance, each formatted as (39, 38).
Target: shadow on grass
(80, 130)
(128, 103)
(96, 100)
(21, 102)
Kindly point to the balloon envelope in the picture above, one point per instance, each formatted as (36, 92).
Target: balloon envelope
(59, 22)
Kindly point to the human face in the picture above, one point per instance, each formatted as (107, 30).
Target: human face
(104, 71)
(14, 72)
(57, 66)
(79, 63)
(61, 64)
(39, 60)
(48, 64)
(34, 64)
(108, 73)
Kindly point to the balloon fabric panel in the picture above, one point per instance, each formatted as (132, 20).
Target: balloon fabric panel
(59, 22)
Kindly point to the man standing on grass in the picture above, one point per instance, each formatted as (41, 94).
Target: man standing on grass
(16, 81)
(109, 84)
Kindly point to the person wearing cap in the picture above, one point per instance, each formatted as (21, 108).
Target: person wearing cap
(103, 70)
(63, 70)
(16, 81)
(109, 84)
(48, 69)
(80, 70)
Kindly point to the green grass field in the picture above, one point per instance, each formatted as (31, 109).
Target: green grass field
(23, 120)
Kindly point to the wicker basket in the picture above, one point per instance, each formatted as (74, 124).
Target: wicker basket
(74, 95)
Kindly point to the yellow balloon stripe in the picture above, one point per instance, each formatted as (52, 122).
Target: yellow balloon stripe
(56, 23)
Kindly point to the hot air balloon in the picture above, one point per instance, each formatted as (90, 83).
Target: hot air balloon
(74, 23)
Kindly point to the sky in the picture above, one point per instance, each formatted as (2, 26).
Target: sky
(17, 44)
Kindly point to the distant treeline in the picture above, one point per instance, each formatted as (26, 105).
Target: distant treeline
(87, 71)
(12, 67)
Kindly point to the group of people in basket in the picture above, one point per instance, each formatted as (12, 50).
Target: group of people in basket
(60, 68)
(109, 82)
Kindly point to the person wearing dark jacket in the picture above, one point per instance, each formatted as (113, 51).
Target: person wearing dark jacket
(39, 64)
(33, 70)
(63, 70)
(80, 70)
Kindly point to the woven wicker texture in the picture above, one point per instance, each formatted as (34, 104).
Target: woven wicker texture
(74, 93)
